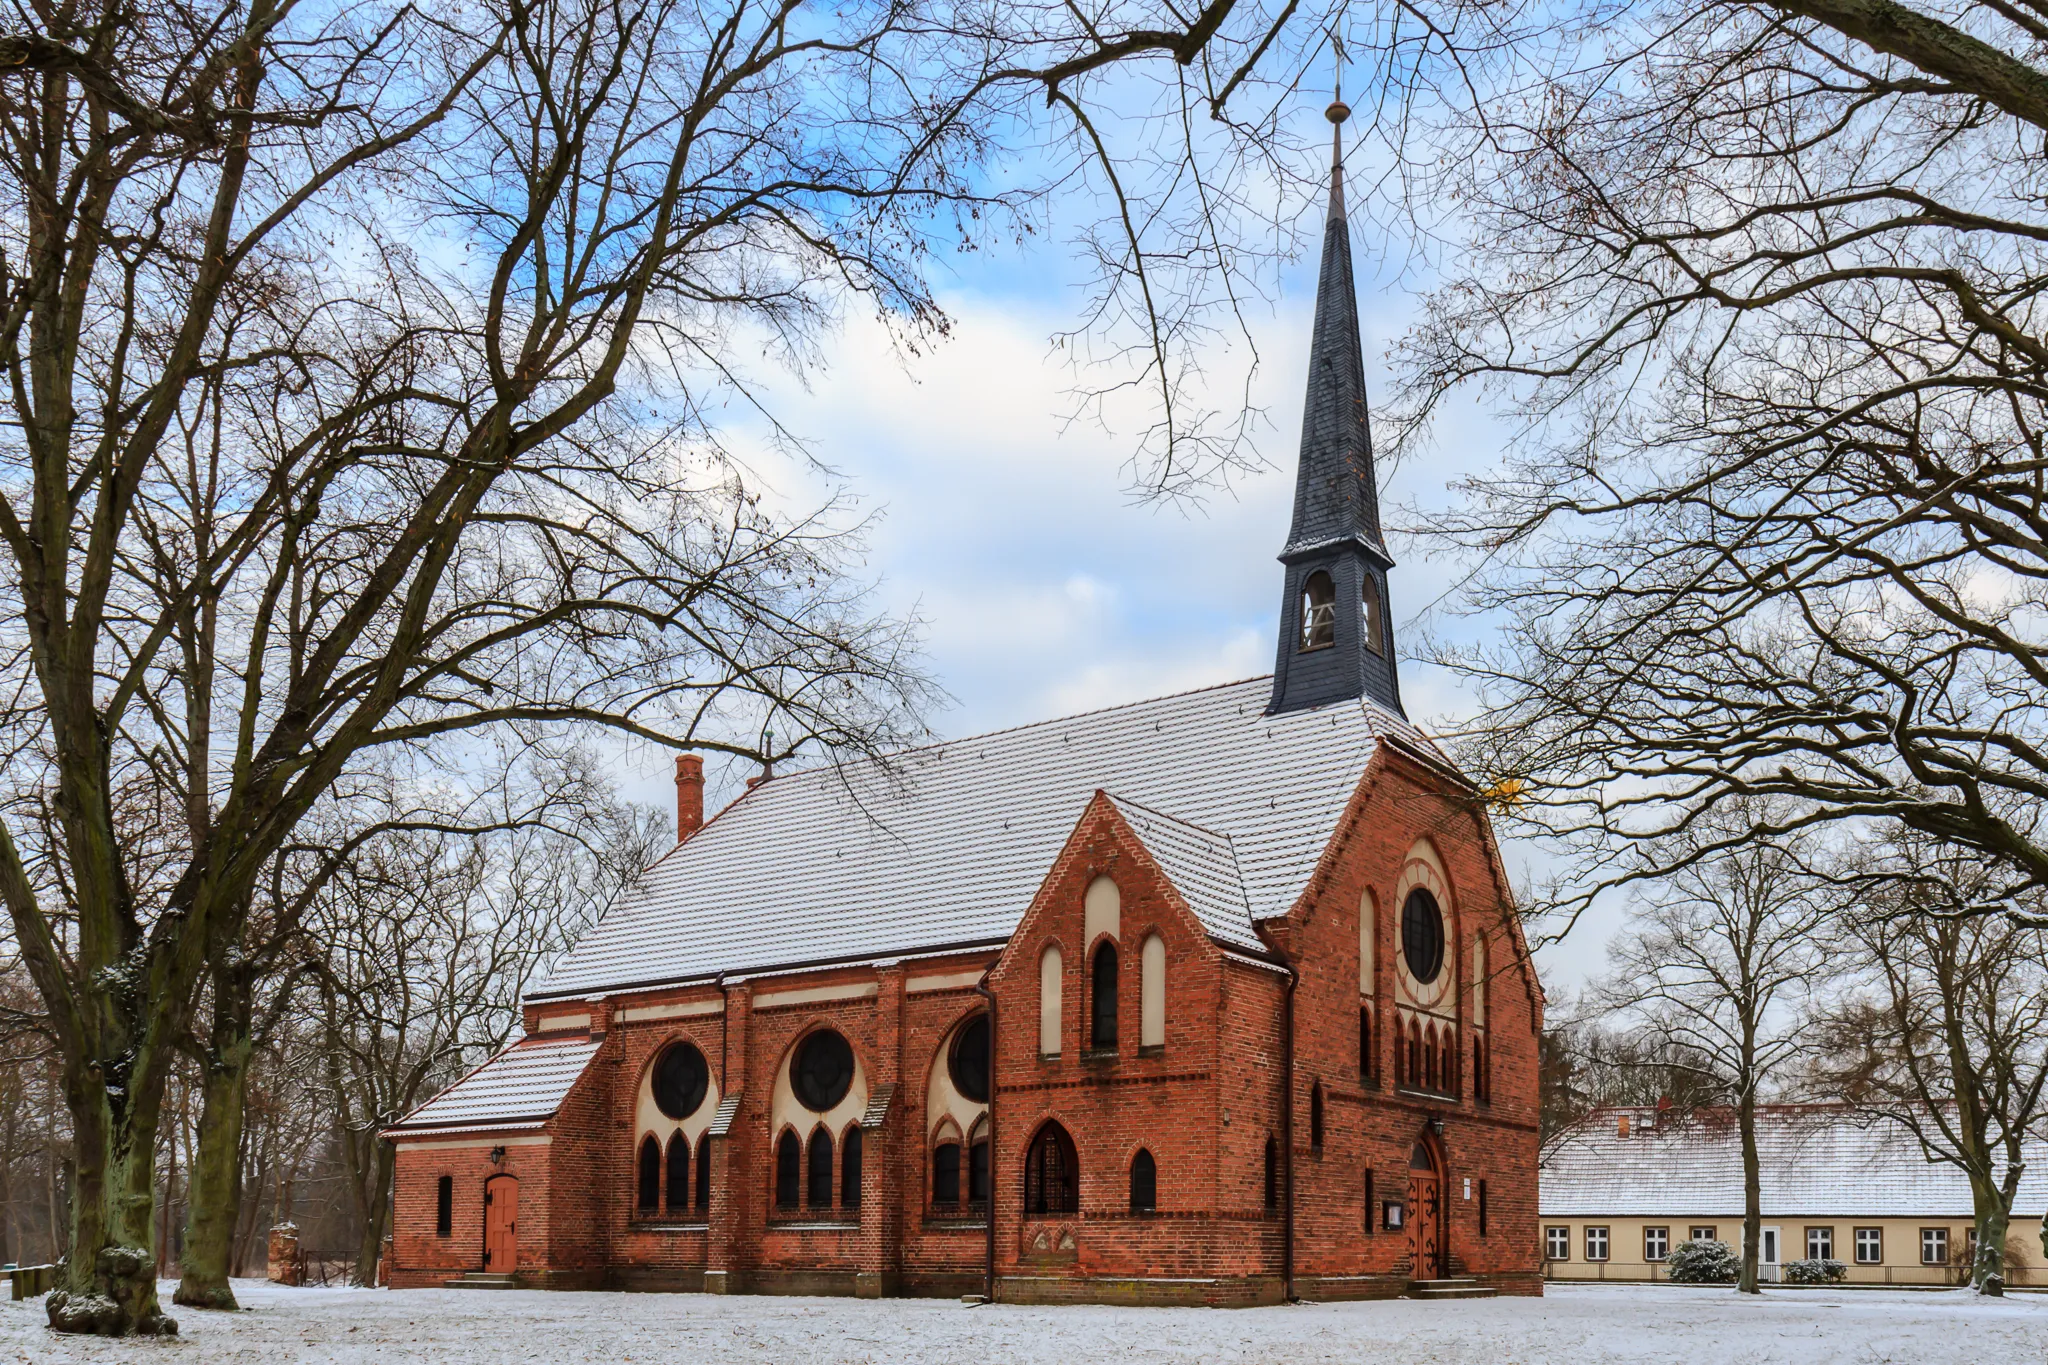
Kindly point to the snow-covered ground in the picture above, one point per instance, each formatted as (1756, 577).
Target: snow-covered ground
(1575, 1325)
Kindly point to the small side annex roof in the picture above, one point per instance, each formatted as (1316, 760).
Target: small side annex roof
(1817, 1160)
(522, 1086)
(945, 846)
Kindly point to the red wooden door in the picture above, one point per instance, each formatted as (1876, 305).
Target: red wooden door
(1425, 1214)
(501, 1224)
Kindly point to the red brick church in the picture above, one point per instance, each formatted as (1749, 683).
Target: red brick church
(1217, 998)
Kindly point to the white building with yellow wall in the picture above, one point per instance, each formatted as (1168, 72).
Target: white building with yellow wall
(1621, 1190)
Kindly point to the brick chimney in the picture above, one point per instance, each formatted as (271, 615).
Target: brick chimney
(689, 795)
(1621, 1124)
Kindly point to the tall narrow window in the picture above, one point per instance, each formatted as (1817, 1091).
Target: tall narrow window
(1050, 967)
(819, 1187)
(1152, 993)
(444, 1206)
(650, 1174)
(704, 1174)
(1368, 1200)
(1052, 1175)
(977, 1170)
(1144, 1182)
(678, 1173)
(1365, 1057)
(1315, 1116)
(849, 1168)
(789, 1171)
(1369, 614)
(1102, 999)
(946, 1174)
(1482, 1207)
(1272, 1173)
(1318, 611)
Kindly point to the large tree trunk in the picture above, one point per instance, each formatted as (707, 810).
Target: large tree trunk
(1752, 1192)
(375, 1212)
(1993, 1219)
(215, 1183)
(108, 1284)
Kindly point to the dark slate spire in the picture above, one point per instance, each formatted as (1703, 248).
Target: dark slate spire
(1336, 637)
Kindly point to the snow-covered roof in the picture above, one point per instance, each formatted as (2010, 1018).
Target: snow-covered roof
(1817, 1160)
(946, 845)
(526, 1083)
(1202, 865)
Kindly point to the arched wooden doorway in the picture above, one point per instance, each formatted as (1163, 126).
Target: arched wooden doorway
(501, 1224)
(1426, 1212)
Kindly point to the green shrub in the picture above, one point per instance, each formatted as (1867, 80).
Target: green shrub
(1703, 1263)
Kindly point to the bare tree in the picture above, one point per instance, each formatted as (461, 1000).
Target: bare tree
(1762, 283)
(1944, 1030)
(1715, 964)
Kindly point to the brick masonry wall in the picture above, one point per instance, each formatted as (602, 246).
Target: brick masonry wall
(1204, 1106)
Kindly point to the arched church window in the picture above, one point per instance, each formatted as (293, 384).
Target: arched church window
(1414, 1055)
(680, 1080)
(1315, 1116)
(967, 1060)
(1422, 935)
(1272, 1173)
(789, 1163)
(849, 1168)
(1144, 1182)
(946, 1174)
(678, 1173)
(822, 1071)
(650, 1174)
(704, 1173)
(1318, 611)
(1369, 612)
(1052, 1173)
(1365, 1057)
(1102, 998)
(1050, 967)
(1429, 1058)
(819, 1186)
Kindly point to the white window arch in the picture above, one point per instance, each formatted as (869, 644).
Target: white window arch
(1152, 992)
(1051, 968)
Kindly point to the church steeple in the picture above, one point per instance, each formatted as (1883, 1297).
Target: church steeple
(1336, 632)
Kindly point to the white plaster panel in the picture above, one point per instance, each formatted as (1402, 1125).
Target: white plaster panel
(951, 981)
(811, 995)
(647, 1115)
(1439, 997)
(942, 1101)
(539, 1140)
(1102, 911)
(1479, 981)
(784, 1110)
(1051, 975)
(688, 1009)
(550, 1023)
(1368, 944)
(1152, 992)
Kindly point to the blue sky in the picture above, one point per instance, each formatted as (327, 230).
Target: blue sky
(1012, 530)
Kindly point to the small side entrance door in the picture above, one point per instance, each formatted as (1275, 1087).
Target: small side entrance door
(1767, 1256)
(1425, 1214)
(501, 1224)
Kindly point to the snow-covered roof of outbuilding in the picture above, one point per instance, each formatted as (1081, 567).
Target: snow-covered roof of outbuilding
(945, 846)
(524, 1084)
(1817, 1160)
